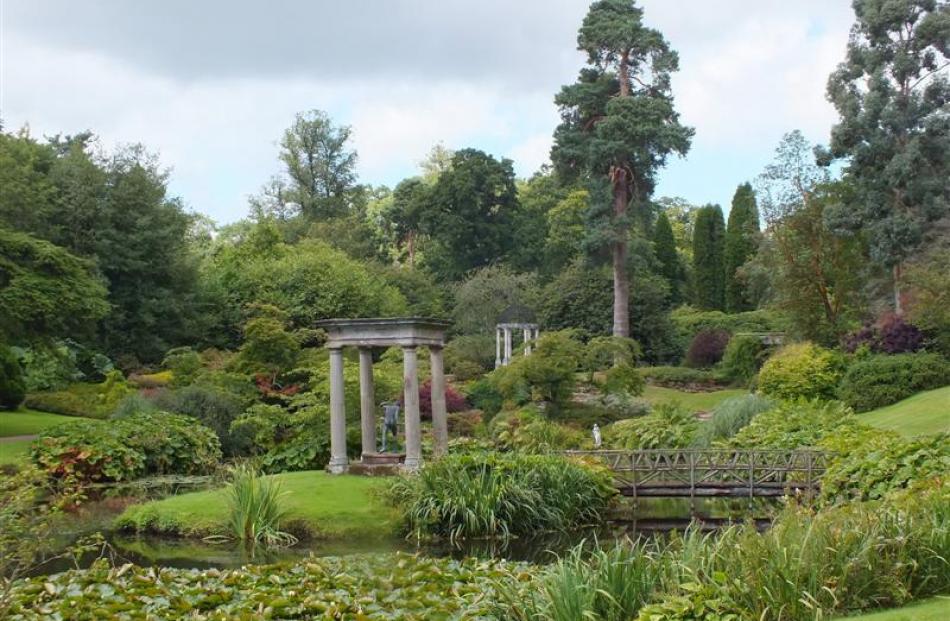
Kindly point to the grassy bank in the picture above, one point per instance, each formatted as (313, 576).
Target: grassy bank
(695, 401)
(935, 609)
(319, 505)
(14, 453)
(924, 413)
(24, 422)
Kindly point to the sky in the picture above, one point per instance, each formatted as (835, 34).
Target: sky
(210, 85)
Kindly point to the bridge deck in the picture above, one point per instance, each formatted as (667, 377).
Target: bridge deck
(692, 473)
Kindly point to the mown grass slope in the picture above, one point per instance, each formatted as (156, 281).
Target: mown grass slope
(925, 413)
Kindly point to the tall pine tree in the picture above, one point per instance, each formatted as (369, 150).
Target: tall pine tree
(664, 245)
(708, 251)
(741, 242)
(618, 126)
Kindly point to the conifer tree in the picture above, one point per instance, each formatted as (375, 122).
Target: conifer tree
(664, 245)
(708, 250)
(618, 126)
(741, 241)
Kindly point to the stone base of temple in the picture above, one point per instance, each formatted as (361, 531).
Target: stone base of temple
(378, 464)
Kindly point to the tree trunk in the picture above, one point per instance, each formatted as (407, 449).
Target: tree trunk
(621, 280)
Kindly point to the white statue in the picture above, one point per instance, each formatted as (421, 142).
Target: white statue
(596, 433)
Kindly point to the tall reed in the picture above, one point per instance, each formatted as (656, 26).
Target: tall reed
(255, 506)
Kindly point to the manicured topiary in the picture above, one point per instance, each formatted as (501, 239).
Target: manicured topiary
(12, 386)
(880, 380)
(707, 348)
(801, 370)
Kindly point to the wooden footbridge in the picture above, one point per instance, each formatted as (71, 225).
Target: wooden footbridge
(696, 473)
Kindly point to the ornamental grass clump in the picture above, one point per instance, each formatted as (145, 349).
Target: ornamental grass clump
(255, 507)
(729, 417)
(500, 495)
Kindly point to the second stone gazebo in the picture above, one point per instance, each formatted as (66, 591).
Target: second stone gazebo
(408, 333)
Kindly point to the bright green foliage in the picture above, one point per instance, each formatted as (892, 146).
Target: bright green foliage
(309, 281)
(500, 495)
(801, 370)
(81, 399)
(743, 356)
(794, 424)
(671, 268)
(933, 609)
(729, 416)
(478, 350)
(565, 224)
(698, 602)
(184, 364)
(603, 352)
(12, 386)
(470, 214)
(868, 464)
(320, 166)
(668, 426)
(400, 587)
(689, 321)
(618, 127)
(892, 93)
(881, 380)
(255, 507)
(29, 422)
(741, 242)
(623, 378)
(600, 584)
(119, 450)
(548, 374)
(46, 290)
(680, 377)
(709, 259)
(268, 347)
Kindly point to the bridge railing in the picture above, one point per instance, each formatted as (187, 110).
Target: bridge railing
(712, 472)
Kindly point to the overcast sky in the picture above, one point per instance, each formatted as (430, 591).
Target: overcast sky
(210, 85)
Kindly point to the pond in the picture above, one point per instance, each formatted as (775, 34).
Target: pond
(652, 518)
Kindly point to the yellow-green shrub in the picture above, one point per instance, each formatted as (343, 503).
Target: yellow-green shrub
(801, 370)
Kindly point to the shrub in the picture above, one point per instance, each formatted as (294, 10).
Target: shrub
(604, 352)
(87, 400)
(464, 423)
(500, 495)
(791, 425)
(707, 348)
(729, 417)
(891, 335)
(870, 463)
(141, 444)
(48, 367)
(623, 378)
(504, 427)
(541, 436)
(548, 374)
(210, 406)
(134, 403)
(12, 385)
(801, 370)
(743, 356)
(880, 380)
(184, 364)
(669, 426)
(465, 370)
(486, 397)
(689, 321)
(149, 381)
(680, 377)
(467, 351)
(454, 402)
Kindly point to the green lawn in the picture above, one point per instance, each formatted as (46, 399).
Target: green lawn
(696, 401)
(24, 422)
(924, 413)
(14, 453)
(318, 504)
(935, 609)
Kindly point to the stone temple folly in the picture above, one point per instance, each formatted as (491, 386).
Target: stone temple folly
(409, 333)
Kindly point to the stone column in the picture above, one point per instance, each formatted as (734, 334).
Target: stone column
(497, 347)
(410, 385)
(367, 401)
(507, 359)
(526, 334)
(338, 462)
(440, 425)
